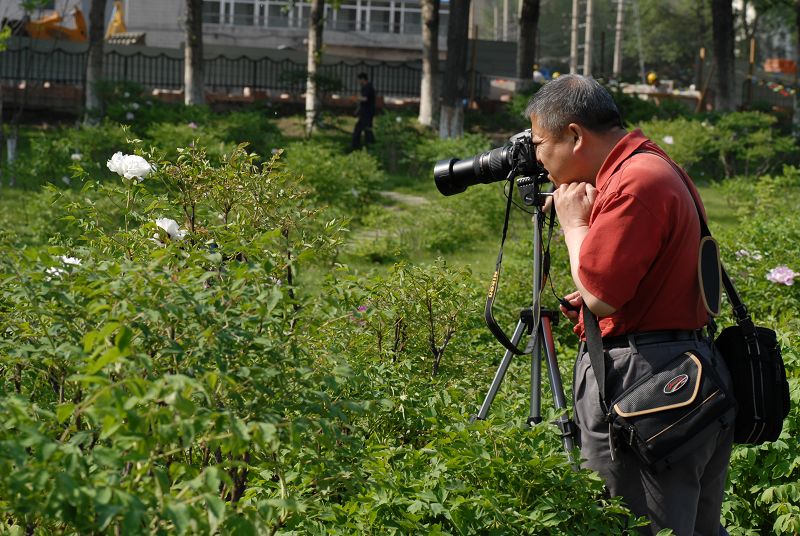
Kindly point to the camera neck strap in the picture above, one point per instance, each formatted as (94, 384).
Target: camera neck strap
(488, 314)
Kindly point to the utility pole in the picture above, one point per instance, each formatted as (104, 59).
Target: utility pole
(617, 69)
(505, 20)
(588, 42)
(573, 48)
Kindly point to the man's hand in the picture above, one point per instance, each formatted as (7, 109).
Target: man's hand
(574, 204)
(576, 301)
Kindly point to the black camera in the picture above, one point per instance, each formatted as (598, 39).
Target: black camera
(516, 158)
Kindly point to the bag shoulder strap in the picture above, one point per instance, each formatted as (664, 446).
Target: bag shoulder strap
(740, 311)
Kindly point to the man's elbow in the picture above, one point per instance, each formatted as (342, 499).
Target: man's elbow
(597, 306)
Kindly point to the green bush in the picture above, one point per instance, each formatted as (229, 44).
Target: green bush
(690, 142)
(251, 127)
(156, 384)
(396, 136)
(345, 182)
(432, 149)
(740, 143)
(52, 155)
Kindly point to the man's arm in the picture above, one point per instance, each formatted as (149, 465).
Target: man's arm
(574, 205)
(574, 239)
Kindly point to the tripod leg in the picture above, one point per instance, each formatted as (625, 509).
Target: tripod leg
(501, 372)
(536, 380)
(564, 423)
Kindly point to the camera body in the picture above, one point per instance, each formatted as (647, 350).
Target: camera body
(516, 158)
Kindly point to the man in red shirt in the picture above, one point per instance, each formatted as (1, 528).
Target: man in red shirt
(632, 230)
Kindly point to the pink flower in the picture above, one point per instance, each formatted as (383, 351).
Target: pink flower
(192, 125)
(782, 275)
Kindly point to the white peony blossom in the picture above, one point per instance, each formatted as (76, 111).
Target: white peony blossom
(55, 271)
(170, 227)
(76, 156)
(669, 140)
(129, 116)
(130, 166)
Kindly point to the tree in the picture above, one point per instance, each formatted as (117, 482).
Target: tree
(315, 27)
(194, 93)
(451, 119)
(723, 30)
(428, 94)
(94, 63)
(526, 44)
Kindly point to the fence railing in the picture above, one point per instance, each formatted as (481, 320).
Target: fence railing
(221, 73)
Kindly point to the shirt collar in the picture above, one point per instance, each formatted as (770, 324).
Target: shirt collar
(624, 148)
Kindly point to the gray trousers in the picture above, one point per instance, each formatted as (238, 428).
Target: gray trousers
(687, 497)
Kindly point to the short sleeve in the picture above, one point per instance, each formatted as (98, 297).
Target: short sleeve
(623, 241)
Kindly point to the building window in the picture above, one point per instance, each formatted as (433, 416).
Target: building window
(372, 16)
(278, 15)
(244, 13)
(211, 12)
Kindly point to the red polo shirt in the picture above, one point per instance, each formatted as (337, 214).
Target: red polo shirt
(640, 255)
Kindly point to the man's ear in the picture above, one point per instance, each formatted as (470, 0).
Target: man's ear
(577, 133)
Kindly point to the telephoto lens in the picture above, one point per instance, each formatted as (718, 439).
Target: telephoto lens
(518, 157)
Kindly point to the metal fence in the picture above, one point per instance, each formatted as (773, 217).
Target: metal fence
(221, 73)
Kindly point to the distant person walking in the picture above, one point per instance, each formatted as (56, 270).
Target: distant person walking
(365, 113)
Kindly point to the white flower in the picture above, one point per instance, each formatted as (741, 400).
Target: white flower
(76, 156)
(669, 140)
(55, 271)
(130, 166)
(170, 227)
(126, 94)
(398, 119)
(66, 180)
(135, 105)
(129, 116)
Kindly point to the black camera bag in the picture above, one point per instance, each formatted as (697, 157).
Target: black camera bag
(670, 412)
(667, 413)
(760, 387)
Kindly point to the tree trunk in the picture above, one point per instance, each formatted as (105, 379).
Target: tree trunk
(94, 63)
(588, 39)
(573, 38)
(428, 94)
(722, 27)
(194, 92)
(451, 119)
(617, 68)
(526, 44)
(315, 27)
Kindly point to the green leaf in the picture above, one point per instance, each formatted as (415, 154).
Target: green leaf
(64, 411)
(216, 511)
(109, 356)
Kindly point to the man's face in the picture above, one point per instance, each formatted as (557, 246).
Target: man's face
(555, 153)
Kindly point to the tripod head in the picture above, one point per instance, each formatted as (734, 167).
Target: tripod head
(530, 190)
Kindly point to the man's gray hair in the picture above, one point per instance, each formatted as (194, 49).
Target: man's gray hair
(572, 98)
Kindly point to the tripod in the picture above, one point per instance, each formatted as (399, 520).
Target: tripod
(537, 322)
